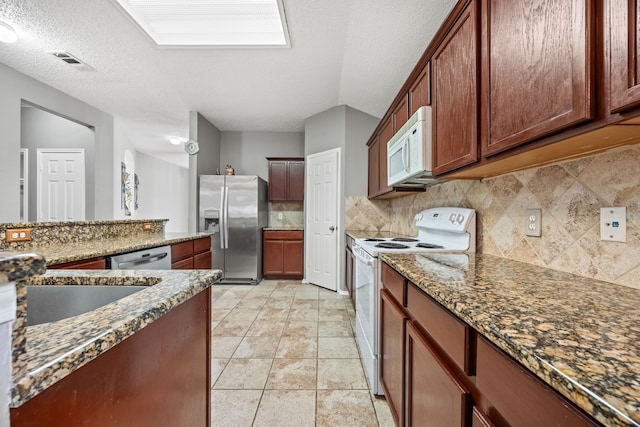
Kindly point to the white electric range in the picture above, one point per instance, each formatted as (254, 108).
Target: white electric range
(446, 229)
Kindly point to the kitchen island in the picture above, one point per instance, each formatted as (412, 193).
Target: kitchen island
(141, 360)
(578, 335)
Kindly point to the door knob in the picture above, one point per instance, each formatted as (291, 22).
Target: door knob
(332, 228)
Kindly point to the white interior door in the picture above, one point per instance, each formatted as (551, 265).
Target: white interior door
(61, 185)
(321, 228)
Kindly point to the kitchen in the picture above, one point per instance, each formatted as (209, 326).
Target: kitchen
(569, 193)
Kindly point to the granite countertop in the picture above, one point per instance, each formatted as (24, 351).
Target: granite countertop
(53, 350)
(285, 228)
(579, 335)
(60, 253)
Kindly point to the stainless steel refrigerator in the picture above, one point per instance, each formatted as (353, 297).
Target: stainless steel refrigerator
(234, 210)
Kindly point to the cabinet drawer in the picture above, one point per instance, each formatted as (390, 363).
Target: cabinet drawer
(283, 235)
(394, 283)
(181, 250)
(520, 397)
(202, 261)
(443, 327)
(201, 245)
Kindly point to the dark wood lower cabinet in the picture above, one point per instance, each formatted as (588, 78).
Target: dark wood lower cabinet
(160, 376)
(392, 333)
(438, 371)
(85, 264)
(192, 254)
(434, 396)
(283, 254)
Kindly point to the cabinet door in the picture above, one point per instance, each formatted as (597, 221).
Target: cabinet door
(537, 71)
(293, 260)
(277, 180)
(185, 264)
(202, 261)
(87, 264)
(420, 90)
(400, 114)
(434, 397)
(624, 23)
(392, 329)
(295, 179)
(374, 171)
(386, 132)
(455, 95)
(272, 257)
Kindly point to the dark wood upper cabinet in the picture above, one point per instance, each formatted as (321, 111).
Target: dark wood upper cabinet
(455, 95)
(286, 179)
(386, 133)
(374, 168)
(537, 69)
(420, 90)
(400, 114)
(624, 23)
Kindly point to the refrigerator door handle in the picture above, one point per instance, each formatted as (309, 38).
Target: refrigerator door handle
(223, 218)
(226, 217)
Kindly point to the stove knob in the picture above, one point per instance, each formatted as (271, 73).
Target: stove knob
(460, 218)
(452, 218)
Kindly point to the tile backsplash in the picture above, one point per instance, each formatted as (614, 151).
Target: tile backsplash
(570, 195)
(292, 214)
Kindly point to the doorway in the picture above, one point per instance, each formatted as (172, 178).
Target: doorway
(321, 218)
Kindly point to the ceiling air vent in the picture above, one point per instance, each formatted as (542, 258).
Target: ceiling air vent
(71, 60)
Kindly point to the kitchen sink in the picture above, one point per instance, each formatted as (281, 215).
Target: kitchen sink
(49, 303)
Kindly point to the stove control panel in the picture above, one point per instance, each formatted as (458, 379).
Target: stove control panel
(446, 219)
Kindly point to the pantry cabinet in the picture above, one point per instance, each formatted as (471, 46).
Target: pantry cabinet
(624, 48)
(286, 179)
(283, 254)
(455, 95)
(537, 70)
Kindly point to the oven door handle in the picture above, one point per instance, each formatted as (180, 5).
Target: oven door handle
(366, 261)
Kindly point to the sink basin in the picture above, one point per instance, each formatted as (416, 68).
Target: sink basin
(49, 303)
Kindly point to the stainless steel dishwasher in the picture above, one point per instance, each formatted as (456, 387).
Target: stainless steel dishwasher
(149, 259)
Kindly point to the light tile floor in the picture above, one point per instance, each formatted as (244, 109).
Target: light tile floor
(284, 354)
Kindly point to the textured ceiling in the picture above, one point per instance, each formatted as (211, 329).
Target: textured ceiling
(353, 52)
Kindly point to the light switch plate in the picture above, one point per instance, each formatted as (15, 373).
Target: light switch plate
(533, 222)
(613, 224)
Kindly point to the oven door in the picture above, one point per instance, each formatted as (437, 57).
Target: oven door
(366, 285)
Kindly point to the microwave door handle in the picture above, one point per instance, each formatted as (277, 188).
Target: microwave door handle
(405, 154)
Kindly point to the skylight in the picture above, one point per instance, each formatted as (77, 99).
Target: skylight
(211, 23)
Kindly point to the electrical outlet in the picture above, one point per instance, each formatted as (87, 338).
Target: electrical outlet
(148, 226)
(18, 235)
(613, 224)
(279, 215)
(533, 222)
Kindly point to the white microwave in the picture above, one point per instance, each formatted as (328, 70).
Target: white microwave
(409, 152)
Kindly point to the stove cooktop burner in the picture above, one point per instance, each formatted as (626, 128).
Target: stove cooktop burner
(404, 239)
(374, 240)
(391, 245)
(429, 246)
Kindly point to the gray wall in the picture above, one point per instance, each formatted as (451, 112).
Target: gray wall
(348, 129)
(16, 87)
(247, 151)
(206, 162)
(41, 129)
(163, 192)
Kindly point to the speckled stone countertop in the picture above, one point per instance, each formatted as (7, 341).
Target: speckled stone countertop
(16, 266)
(284, 228)
(581, 336)
(54, 350)
(60, 253)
